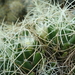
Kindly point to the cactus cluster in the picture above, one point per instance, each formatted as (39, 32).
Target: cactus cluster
(42, 44)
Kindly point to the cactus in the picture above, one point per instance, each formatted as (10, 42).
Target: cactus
(54, 25)
(40, 43)
(18, 51)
